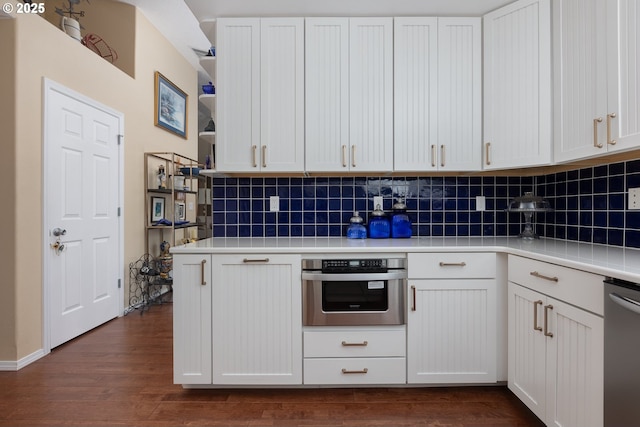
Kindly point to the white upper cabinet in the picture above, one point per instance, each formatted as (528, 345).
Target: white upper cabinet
(597, 102)
(260, 95)
(623, 74)
(349, 94)
(517, 84)
(437, 84)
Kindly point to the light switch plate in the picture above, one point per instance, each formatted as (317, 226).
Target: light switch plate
(377, 200)
(634, 199)
(481, 203)
(274, 203)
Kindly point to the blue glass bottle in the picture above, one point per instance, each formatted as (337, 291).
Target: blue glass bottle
(356, 229)
(400, 222)
(379, 225)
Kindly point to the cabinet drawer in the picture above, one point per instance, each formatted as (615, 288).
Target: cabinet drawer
(353, 371)
(576, 287)
(355, 343)
(451, 265)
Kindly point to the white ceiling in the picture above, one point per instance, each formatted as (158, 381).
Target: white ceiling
(179, 20)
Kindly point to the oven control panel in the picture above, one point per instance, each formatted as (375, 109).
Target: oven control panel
(354, 265)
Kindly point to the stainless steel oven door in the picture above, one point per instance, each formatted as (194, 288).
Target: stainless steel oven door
(353, 299)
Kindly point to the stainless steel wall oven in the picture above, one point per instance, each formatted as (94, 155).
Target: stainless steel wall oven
(348, 292)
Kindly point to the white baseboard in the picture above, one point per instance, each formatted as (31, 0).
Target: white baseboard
(19, 364)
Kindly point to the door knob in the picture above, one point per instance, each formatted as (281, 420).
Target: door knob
(59, 232)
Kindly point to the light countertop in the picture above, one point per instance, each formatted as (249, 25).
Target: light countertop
(600, 259)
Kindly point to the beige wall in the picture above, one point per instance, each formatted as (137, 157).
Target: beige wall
(45, 51)
(7, 176)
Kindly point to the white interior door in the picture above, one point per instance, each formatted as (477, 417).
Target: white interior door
(82, 193)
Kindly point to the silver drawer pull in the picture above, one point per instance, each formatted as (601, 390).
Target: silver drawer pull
(247, 260)
(355, 344)
(542, 276)
(346, 371)
(452, 264)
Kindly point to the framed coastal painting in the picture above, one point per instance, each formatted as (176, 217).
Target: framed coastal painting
(157, 208)
(170, 106)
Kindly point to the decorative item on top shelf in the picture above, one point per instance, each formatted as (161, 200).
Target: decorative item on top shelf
(96, 44)
(209, 89)
(528, 205)
(170, 106)
(162, 177)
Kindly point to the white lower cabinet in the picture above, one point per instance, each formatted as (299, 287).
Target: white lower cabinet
(257, 319)
(451, 322)
(354, 355)
(192, 359)
(555, 349)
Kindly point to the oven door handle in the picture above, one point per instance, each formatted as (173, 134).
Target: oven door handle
(625, 302)
(391, 275)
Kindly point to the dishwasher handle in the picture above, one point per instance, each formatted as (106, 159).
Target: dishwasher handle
(628, 303)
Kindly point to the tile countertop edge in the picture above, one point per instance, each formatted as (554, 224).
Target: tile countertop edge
(618, 262)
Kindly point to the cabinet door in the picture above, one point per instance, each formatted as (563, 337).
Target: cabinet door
(282, 95)
(371, 94)
(580, 78)
(451, 331)
(238, 94)
(415, 94)
(517, 84)
(192, 319)
(257, 319)
(623, 45)
(459, 94)
(575, 363)
(526, 348)
(327, 94)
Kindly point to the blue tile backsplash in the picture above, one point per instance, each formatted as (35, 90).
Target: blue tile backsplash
(590, 204)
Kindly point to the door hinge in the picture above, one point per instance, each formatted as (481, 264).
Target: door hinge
(119, 212)
(120, 139)
(119, 283)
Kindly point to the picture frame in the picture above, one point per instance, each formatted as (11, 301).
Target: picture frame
(157, 208)
(171, 106)
(180, 212)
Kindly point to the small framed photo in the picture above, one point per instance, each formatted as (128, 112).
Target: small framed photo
(157, 208)
(170, 106)
(180, 211)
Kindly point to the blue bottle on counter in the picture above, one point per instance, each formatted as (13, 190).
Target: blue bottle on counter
(356, 229)
(379, 227)
(400, 222)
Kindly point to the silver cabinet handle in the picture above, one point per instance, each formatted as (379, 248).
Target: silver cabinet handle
(413, 292)
(346, 371)
(609, 140)
(535, 315)
(453, 264)
(264, 156)
(487, 148)
(442, 155)
(253, 156)
(546, 321)
(355, 344)
(249, 260)
(542, 276)
(353, 156)
(595, 132)
(433, 155)
(344, 156)
(202, 281)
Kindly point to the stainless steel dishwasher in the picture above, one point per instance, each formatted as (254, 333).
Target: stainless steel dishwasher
(621, 353)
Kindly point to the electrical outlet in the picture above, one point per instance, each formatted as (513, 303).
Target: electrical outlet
(377, 200)
(274, 203)
(634, 199)
(481, 203)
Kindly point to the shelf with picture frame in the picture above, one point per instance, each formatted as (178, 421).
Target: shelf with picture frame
(172, 184)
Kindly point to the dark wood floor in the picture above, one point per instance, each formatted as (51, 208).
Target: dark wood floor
(120, 375)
